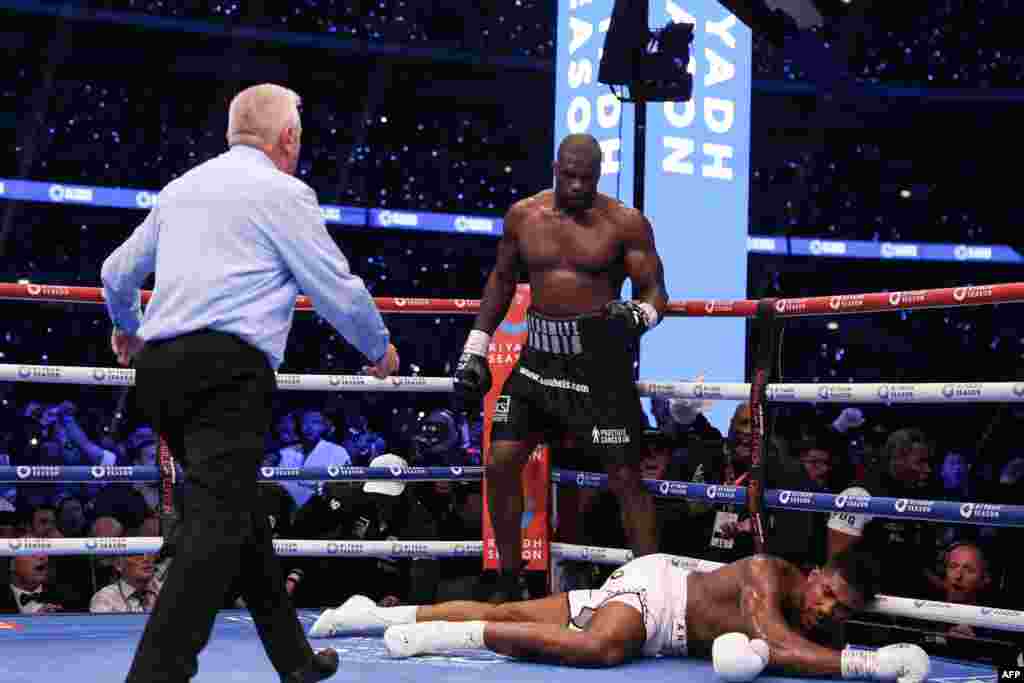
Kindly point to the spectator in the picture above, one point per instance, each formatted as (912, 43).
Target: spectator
(701, 460)
(101, 567)
(362, 444)
(9, 525)
(439, 440)
(78, 449)
(381, 510)
(846, 428)
(140, 438)
(43, 445)
(795, 535)
(460, 577)
(142, 448)
(314, 451)
(1011, 476)
(680, 418)
(956, 470)
(106, 527)
(284, 435)
(131, 503)
(76, 571)
(725, 530)
(740, 439)
(906, 546)
(136, 587)
(151, 529)
(43, 522)
(673, 513)
(966, 577)
(287, 431)
(30, 591)
(122, 501)
(71, 520)
(8, 492)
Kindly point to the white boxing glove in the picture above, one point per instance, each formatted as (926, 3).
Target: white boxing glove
(903, 662)
(737, 659)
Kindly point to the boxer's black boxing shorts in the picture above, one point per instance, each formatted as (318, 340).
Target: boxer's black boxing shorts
(574, 375)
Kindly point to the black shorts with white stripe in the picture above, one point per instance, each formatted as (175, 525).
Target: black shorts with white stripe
(576, 376)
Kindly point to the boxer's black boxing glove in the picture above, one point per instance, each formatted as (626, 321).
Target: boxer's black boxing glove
(636, 316)
(473, 374)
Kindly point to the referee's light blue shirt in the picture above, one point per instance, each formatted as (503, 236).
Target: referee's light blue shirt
(232, 242)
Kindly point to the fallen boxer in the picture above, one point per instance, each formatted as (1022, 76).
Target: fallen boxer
(754, 613)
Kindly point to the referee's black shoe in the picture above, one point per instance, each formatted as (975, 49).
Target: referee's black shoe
(323, 665)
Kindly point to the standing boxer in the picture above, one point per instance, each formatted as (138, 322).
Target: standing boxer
(576, 373)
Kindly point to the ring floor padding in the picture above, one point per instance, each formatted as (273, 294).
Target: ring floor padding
(95, 648)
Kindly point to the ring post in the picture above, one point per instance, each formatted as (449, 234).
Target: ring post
(766, 327)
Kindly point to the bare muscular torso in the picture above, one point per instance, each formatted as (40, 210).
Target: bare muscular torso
(575, 263)
(714, 602)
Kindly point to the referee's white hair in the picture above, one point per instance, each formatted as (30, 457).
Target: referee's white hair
(258, 114)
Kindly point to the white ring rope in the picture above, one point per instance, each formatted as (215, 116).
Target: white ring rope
(887, 392)
(121, 545)
(123, 377)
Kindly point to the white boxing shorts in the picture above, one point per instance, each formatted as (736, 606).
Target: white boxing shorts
(653, 585)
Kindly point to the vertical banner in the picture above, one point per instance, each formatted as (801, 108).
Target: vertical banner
(503, 354)
(582, 105)
(697, 174)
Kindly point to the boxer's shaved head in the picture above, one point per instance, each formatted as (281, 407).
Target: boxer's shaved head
(837, 591)
(582, 146)
(266, 117)
(577, 172)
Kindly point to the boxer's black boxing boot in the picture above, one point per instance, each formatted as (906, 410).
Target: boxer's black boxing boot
(507, 585)
(323, 665)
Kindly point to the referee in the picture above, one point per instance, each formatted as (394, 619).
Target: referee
(232, 242)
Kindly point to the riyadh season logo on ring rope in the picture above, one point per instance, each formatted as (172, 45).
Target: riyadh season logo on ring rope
(791, 305)
(961, 294)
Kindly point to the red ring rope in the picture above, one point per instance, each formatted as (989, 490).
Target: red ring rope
(950, 297)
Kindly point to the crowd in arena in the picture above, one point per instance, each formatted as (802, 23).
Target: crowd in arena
(846, 450)
(361, 154)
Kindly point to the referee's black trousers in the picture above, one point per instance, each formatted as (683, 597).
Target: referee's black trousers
(209, 394)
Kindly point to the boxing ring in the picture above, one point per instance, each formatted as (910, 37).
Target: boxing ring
(100, 647)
